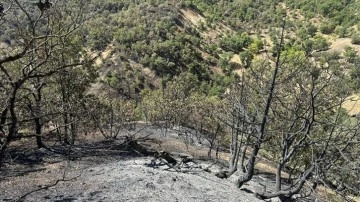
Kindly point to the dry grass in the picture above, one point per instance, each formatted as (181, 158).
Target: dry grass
(356, 199)
(104, 55)
(267, 167)
(338, 44)
(194, 17)
(328, 194)
(236, 59)
(174, 146)
(352, 104)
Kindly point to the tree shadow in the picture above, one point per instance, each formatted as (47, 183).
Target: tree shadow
(21, 161)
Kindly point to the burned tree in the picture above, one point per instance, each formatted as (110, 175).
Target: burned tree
(293, 112)
(43, 6)
(1, 9)
(42, 50)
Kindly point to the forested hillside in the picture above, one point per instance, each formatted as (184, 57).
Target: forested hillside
(263, 78)
(209, 39)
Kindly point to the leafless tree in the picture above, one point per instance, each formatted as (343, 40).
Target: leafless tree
(291, 109)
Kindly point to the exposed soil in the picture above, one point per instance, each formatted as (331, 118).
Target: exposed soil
(194, 17)
(352, 105)
(340, 43)
(112, 171)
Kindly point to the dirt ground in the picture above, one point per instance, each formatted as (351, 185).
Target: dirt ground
(111, 175)
(125, 180)
(110, 171)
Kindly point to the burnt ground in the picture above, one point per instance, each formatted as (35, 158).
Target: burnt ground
(98, 170)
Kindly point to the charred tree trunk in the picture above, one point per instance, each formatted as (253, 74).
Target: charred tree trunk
(261, 133)
(66, 114)
(212, 140)
(73, 128)
(38, 132)
(66, 128)
(278, 177)
(13, 119)
(286, 196)
(210, 148)
(36, 111)
(217, 149)
(242, 158)
(235, 147)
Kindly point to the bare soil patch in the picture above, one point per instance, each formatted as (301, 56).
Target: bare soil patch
(98, 170)
(352, 105)
(108, 171)
(194, 17)
(339, 44)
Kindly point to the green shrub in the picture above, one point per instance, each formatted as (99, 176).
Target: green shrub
(341, 31)
(355, 38)
(327, 28)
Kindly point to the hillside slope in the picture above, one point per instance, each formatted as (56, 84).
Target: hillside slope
(125, 180)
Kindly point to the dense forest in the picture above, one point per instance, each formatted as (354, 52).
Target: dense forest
(257, 77)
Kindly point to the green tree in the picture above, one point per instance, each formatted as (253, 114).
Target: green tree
(256, 46)
(355, 38)
(320, 43)
(236, 42)
(246, 58)
(327, 28)
(341, 31)
(351, 55)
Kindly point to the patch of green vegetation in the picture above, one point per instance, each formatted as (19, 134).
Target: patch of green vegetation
(342, 13)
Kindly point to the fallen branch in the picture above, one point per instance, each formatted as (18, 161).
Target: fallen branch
(21, 198)
(63, 179)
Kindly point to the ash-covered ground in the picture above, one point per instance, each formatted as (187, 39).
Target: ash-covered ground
(113, 171)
